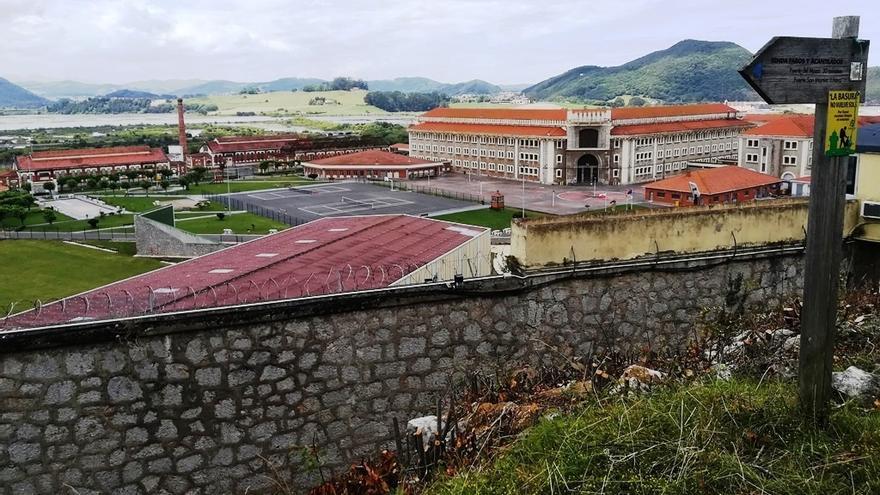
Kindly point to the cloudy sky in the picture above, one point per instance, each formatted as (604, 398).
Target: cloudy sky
(502, 41)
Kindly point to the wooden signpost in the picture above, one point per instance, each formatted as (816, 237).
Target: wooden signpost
(806, 70)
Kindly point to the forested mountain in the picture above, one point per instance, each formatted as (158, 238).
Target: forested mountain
(14, 96)
(690, 70)
(425, 85)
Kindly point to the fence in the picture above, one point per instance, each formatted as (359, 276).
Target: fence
(433, 191)
(121, 233)
(237, 204)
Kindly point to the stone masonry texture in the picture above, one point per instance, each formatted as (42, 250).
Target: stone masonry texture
(204, 410)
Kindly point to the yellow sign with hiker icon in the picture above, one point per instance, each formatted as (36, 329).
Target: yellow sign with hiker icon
(843, 116)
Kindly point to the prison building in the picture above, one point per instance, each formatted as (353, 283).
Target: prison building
(585, 146)
(44, 166)
(326, 256)
(372, 164)
(782, 144)
(727, 184)
(232, 151)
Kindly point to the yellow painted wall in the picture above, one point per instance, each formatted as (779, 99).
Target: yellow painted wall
(542, 241)
(868, 189)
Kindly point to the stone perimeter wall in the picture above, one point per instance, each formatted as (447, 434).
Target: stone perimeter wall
(203, 411)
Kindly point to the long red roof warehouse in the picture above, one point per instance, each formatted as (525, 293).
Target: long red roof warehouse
(633, 113)
(91, 157)
(324, 256)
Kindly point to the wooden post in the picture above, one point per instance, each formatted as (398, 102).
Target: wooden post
(822, 260)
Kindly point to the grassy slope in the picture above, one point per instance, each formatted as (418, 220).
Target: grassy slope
(50, 269)
(713, 437)
(352, 103)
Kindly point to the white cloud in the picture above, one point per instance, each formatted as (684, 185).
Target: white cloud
(452, 40)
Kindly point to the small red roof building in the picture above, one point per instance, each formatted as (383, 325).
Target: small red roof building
(726, 184)
(372, 164)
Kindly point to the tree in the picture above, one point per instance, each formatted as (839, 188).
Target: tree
(71, 183)
(27, 186)
(49, 215)
(49, 186)
(145, 185)
(93, 223)
(19, 212)
(164, 183)
(264, 166)
(165, 172)
(637, 101)
(617, 102)
(92, 182)
(198, 174)
(184, 182)
(221, 216)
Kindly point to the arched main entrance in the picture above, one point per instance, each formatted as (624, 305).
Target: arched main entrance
(587, 169)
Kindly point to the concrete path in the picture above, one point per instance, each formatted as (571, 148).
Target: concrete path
(79, 207)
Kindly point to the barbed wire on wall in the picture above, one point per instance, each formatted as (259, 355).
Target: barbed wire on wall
(127, 300)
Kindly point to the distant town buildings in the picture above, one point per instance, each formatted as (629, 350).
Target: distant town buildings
(711, 186)
(44, 166)
(585, 146)
(372, 164)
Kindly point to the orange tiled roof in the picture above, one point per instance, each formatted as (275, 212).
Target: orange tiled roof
(790, 126)
(400, 146)
(91, 157)
(372, 158)
(499, 113)
(504, 130)
(630, 113)
(715, 180)
(688, 125)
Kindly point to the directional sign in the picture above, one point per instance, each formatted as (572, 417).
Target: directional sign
(804, 70)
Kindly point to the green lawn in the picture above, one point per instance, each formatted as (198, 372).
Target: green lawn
(126, 248)
(131, 203)
(76, 225)
(289, 102)
(487, 217)
(240, 223)
(48, 270)
(34, 216)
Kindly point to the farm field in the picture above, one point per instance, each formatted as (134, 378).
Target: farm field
(289, 102)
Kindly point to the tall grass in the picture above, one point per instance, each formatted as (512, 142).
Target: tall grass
(736, 437)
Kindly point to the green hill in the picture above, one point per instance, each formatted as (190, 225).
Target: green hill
(14, 96)
(690, 70)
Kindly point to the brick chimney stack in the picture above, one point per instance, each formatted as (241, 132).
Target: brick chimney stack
(181, 128)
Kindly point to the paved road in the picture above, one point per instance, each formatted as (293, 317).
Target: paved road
(558, 200)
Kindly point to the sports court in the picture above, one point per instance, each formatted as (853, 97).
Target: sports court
(344, 198)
